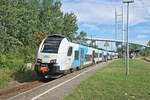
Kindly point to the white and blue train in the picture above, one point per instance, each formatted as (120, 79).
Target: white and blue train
(57, 55)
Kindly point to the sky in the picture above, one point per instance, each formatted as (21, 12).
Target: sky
(97, 18)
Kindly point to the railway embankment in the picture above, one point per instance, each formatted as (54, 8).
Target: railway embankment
(111, 83)
(11, 77)
(13, 81)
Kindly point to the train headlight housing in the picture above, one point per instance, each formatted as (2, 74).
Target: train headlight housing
(39, 60)
(53, 61)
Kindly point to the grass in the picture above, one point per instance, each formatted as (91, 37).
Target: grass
(111, 83)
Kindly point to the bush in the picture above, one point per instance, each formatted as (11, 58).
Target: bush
(17, 58)
(11, 62)
(5, 77)
(13, 65)
(145, 52)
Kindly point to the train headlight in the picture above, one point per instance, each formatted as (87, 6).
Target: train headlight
(39, 60)
(53, 61)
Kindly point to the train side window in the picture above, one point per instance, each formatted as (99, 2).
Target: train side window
(69, 51)
(76, 55)
(88, 57)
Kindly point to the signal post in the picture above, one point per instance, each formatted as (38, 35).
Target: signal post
(106, 45)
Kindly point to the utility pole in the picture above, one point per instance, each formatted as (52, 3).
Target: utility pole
(116, 27)
(92, 41)
(127, 43)
(127, 52)
(123, 35)
(116, 24)
(106, 45)
(123, 30)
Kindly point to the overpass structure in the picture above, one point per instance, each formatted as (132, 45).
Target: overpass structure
(113, 40)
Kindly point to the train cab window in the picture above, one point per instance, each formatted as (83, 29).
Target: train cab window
(76, 55)
(51, 45)
(100, 55)
(107, 54)
(50, 48)
(96, 55)
(69, 51)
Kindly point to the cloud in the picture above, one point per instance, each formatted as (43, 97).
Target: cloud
(143, 42)
(103, 11)
(139, 12)
(90, 26)
(98, 17)
(92, 11)
(141, 29)
(141, 36)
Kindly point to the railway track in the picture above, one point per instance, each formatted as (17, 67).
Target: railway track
(6, 93)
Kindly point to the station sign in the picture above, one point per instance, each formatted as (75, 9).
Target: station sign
(106, 44)
(148, 43)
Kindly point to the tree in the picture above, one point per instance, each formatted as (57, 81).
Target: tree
(69, 25)
(134, 47)
(144, 52)
(8, 26)
(95, 46)
(27, 22)
(82, 36)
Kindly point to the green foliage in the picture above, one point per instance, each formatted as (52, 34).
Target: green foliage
(11, 62)
(145, 52)
(82, 36)
(95, 46)
(135, 47)
(23, 25)
(69, 25)
(21, 19)
(5, 77)
(121, 51)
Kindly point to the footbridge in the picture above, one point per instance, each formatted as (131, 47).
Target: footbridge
(113, 40)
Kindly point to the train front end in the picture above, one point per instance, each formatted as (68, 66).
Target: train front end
(47, 60)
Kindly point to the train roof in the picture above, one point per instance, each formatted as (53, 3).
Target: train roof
(59, 36)
(56, 35)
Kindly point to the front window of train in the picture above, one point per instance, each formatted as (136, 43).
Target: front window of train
(51, 47)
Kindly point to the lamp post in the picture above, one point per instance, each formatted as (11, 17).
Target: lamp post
(127, 43)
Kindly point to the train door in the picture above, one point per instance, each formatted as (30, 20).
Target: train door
(93, 56)
(69, 58)
(82, 53)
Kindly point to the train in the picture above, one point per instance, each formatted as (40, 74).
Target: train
(58, 55)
